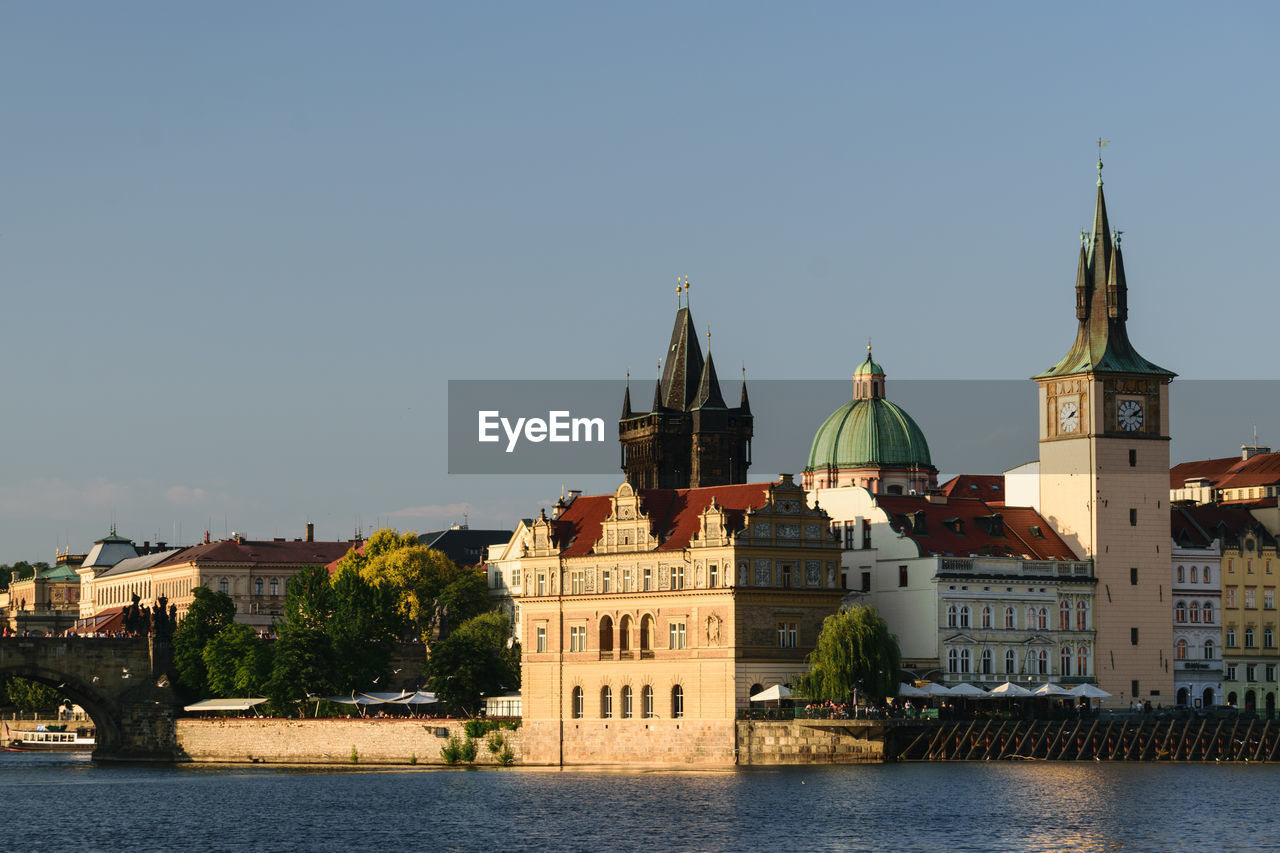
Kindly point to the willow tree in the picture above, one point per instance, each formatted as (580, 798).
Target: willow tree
(855, 651)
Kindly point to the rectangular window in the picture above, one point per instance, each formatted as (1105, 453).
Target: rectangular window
(1133, 636)
(1133, 518)
(578, 638)
(713, 575)
(1250, 601)
(648, 579)
(788, 637)
(866, 533)
(1248, 567)
(1251, 672)
(675, 639)
(850, 535)
(542, 638)
(1229, 597)
(1133, 458)
(626, 580)
(1271, 672)
(579, 581)
(1134, 686)
(1231, 672)
(1269, 599)
(866, 581)
(1133, 576)
(902, 575)
(786, 576)
(677, 576)
(542, 584)
(606, 581)
(515, 579)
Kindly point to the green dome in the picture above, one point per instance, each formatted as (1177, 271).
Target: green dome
(869, 368)
(869, 432)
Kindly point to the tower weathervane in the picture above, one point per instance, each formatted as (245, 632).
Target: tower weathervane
(1101, 142)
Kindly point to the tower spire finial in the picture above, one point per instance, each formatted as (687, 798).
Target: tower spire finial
(1101, 142)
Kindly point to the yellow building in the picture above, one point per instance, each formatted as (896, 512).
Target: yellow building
(1250, 621)
(650, 616)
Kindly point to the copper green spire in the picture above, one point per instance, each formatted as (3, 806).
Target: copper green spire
(1102, 305)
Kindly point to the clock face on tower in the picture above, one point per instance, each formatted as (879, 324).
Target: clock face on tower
(1068, 415)
(1129, 414)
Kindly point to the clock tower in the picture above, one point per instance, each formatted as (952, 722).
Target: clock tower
(1104, 472)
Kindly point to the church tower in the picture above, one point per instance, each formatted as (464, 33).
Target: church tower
(690, 437)
(1104, 472)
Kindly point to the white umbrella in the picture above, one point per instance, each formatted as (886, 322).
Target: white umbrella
(1090, 691)
(1009, 689)
(1051, 689)
(910, 690)
(772, 694)
(936, 689)
(967, 690)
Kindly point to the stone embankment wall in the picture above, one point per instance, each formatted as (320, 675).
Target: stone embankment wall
(695, 743)
(326, 741)
(808, 742)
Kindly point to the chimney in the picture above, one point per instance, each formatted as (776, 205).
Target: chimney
(1248, 451)
(311, 531)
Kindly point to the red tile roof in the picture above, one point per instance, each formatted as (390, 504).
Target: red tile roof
(1209, 469)
(1229, 472)
(1198, 526)
(987, 487)
(964, 526)
(673, 514)
(240, 552)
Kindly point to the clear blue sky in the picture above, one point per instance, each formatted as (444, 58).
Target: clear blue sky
(244, 246)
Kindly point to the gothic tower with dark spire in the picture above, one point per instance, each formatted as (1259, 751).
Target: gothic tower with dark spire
(1104, 473)
(690, 438)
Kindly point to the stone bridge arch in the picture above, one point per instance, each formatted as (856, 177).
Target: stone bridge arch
(122, 684)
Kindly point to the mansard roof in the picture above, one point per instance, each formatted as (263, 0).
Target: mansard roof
(961, 527)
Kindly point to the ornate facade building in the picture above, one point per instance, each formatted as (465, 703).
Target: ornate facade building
(1104, 471)
(650, 616)
(690, 438)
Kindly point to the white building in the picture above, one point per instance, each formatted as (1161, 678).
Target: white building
(1197, 612)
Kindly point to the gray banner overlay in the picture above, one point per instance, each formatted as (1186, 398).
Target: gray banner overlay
(568, 427)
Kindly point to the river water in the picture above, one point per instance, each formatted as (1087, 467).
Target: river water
(66, 802)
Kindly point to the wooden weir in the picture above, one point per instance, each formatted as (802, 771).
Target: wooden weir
(1242, 739)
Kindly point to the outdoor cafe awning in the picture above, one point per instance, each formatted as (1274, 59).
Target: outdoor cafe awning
(224, 705)
(406, 697)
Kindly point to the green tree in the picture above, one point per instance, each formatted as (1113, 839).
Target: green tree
(238, 663)
(362, 630)
(208, 614)
(476, 660)
(854, 651)
(28, 696)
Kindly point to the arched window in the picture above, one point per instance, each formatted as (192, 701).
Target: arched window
(677, 702)
(577, 703)
(986, 616)
(1206, 574)
(1064, 616)
(224, 586)
(626, 701)
(275, 586)
(1193, 574)
(1082, 616)
(1209, 650)
(1031, 618)
(1180, 650)
(646, 701)
(257, 586)
(1248, 638)
(1268, 638)
(964, 616)
(988, 663)
(1195, 612)
(1082, 661)
(1043, 621)
(965, 660)
(624, 634)
(1231, 638)
(951, 616)
(646, 632)
(1064, 661)
(606, 634)
(1181, 575)
(1207, 611)
(1044, 662)
(1010, 662)
(1010, 621)
(1180, 612)
(953, 660)
(606, 702)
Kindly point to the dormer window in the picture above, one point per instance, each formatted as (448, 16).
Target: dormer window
(955, 525)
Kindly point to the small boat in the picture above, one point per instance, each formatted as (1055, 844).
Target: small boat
(52, 739)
